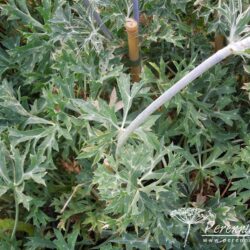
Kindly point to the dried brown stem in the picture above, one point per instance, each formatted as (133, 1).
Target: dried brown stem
(226, 188)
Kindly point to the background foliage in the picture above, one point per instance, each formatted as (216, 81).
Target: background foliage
(65, 94)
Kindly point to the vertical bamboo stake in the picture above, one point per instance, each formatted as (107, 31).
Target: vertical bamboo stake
(133, 44)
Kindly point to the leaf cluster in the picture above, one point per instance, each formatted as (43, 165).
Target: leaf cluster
(66, 94)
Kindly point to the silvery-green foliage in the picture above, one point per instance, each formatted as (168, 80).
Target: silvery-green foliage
(235, 18)
(18, 167)
(137, 191)
(65, 96)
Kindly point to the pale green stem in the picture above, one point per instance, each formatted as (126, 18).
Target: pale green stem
(188, 231)
(70, 198)
(16, 217)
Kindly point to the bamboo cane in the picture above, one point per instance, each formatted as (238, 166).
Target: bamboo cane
(133, 44)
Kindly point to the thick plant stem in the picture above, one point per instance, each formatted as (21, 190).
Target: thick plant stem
(98, 20)
(195, 73)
